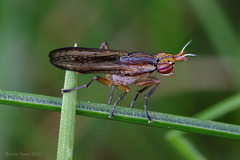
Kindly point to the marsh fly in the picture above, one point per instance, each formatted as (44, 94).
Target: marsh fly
(121, 68)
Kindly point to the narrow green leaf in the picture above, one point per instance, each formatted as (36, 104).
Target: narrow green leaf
(124, 114)
(224, 107)
(186, 148)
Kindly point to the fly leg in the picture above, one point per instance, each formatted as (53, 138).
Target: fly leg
(146, 99)
(146, 83)
(104, 45)
(138, 92)
(111, 96)
(122, 88)
(99, 79)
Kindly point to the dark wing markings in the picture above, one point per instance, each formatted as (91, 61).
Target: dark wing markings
(88, 60)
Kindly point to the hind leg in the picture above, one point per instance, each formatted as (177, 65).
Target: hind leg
(99, 79)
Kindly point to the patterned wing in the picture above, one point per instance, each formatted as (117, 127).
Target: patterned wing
(88, 60)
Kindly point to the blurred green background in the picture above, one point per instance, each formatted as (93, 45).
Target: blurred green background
(30, 29)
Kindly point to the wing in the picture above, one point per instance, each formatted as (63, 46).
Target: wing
(88, 60)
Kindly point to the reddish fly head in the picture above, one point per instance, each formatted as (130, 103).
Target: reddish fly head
(166, 62)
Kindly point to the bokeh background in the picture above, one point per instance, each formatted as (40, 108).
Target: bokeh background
(30, 29)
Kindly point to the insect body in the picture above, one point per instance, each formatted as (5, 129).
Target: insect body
(121, 68)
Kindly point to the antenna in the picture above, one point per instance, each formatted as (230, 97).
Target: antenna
(186, 45)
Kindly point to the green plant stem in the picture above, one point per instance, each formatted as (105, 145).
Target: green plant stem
(124, 114)
(67, 122)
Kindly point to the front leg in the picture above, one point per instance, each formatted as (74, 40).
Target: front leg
(146, 83)
(146, 99)
(136, 96)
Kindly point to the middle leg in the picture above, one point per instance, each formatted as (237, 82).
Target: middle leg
(111, 95)
(122, 88)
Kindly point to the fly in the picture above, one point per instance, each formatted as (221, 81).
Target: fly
(121, 68)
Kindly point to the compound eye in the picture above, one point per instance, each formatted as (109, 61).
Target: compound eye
(165, 68)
